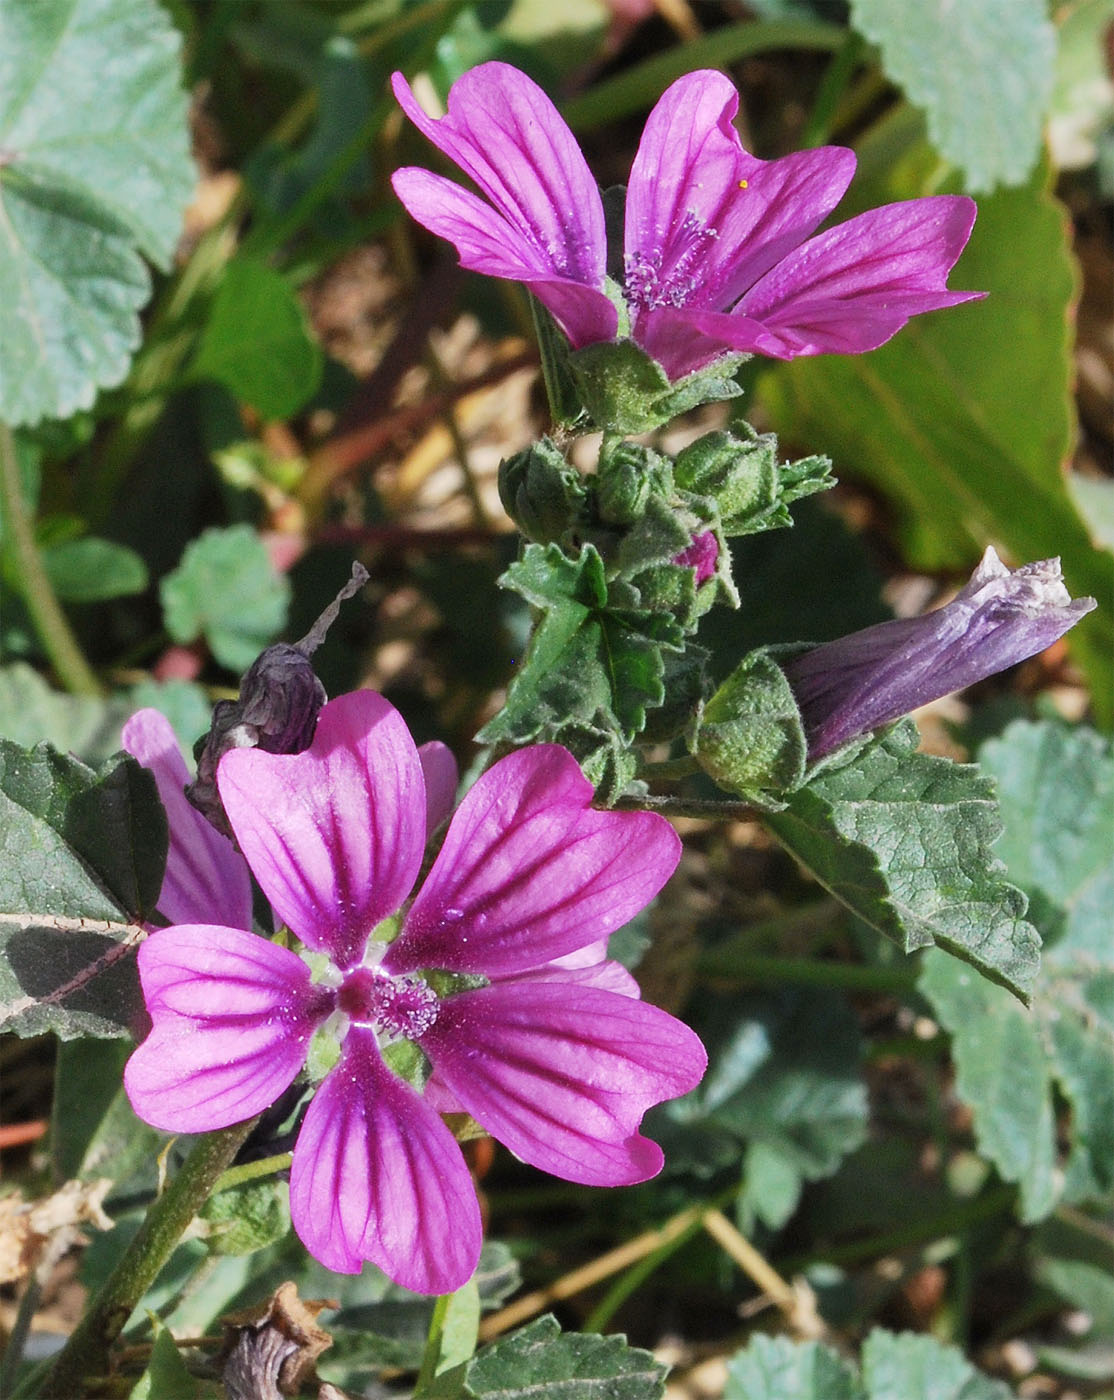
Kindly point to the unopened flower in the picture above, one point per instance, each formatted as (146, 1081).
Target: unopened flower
(700, 556)
(859, 682)
(718, 255)
(498, 975)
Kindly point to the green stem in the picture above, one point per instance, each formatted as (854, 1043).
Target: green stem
(86, 1352)
(46, 614)
(252, 1171)
(803, 972)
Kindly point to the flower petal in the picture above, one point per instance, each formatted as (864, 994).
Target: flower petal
(704, 218)
(859, 682)
(206, 877)
(377, 1175)
(233, 1015)
(529, 871)
(441, 776)
(851, 288)
(562, 1073)
(507, 136)
(335, 834)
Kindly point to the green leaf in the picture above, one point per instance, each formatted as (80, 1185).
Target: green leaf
(95, 170)
(93, 1129)
(895, 1366)
(91, 570)
(899, 1363)
(32, 712)
(966, 438)
(246, 1218)
(226, 589)
(1056, 786)
(984, 114)
(539, 1362)
(904, 840)
(257, 341)
(167, 1376)
(82, 864)
(785, 1079)
(774, 1368)
(1002, 1071)
(587, 667)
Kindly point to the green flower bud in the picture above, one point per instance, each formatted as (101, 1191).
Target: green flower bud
(541, 492)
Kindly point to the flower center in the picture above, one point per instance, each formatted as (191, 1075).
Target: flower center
(649, 282)
(399, 1006)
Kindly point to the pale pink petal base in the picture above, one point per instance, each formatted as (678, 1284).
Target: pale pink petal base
(233, 1016)
(529, 871)
(377, 1175)
(334, 835)
(562, 1074)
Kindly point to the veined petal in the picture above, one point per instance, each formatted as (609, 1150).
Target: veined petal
(377, 1175)
(489, 243)
(335, 834)
(441, 776)
(858, 682)
(562, 1073)
(507, 136)
(704, 218)
(206, 877)
(589, 967)
(233, 1015)
(851, 288)
(529, 871)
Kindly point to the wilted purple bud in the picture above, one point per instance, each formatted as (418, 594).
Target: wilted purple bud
(700, 556)
(857, 683)
(280, 697)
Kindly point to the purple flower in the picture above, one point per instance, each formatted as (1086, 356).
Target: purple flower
(857, 683)
(717, 253)
(525, 1023)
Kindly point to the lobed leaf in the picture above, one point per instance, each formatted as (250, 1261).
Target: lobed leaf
(985, 113)
(1056, 786)
(904, 840)
(542, 1363)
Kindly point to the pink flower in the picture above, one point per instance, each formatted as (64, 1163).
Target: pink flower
(718, 255)
(497, 974)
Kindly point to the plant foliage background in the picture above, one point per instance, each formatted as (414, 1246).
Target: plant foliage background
(229, 365)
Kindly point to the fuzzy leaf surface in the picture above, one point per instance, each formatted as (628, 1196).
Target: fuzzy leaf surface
(1057, 787)
(983, 114)
(542, 1363)
(81, 865)
(94, 171)
(905, 840)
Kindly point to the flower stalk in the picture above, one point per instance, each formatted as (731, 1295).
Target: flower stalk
(86, 1352)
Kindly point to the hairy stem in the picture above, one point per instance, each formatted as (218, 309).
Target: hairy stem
(86, 1352)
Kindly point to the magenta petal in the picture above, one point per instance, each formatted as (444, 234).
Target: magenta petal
(334, 835)
(233, 1016)
(705, 219)
(440, 773)
(529, 871)
(851, 288)
(206, 878)
(507, 136)
(377, 1175)
(562, 1073)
